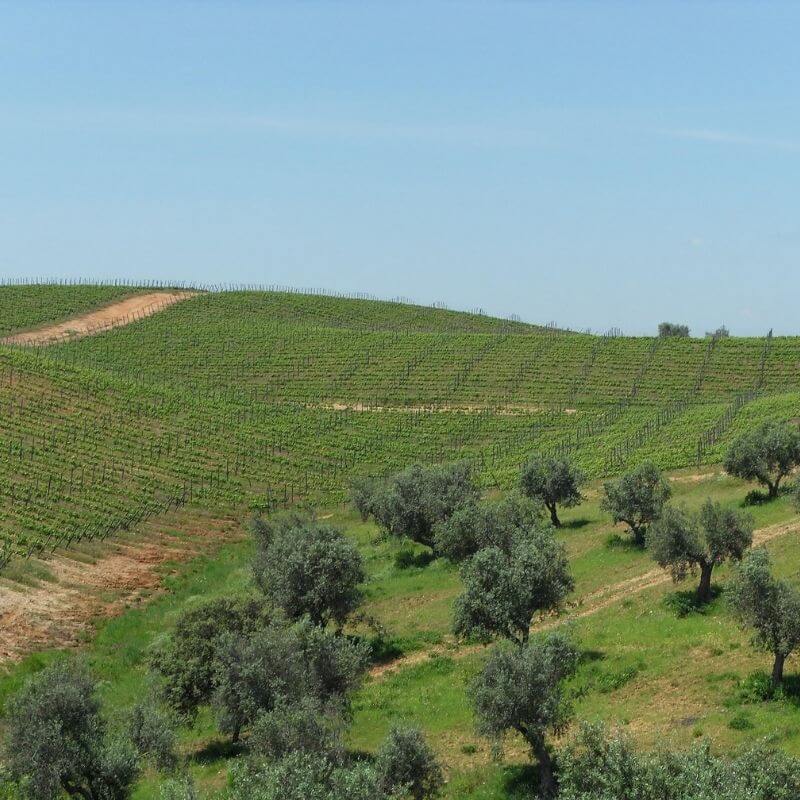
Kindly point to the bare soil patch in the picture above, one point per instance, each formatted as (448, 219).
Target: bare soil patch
(73, 591)
(113, 315)
(516, 409)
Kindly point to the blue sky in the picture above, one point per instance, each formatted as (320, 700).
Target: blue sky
(598, 164)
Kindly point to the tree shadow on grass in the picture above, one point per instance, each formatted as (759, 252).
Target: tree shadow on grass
(684, 603)
(520, 782)
(217, 750)
(758, 688)
(627, 543)
(407, 559)
(384, 648)
(576, 524)
(756, 498)
(591, 656)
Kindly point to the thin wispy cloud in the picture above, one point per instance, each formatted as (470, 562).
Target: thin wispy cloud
(731, 138)
(157, 121)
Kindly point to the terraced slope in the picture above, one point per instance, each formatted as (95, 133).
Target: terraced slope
(252, 399)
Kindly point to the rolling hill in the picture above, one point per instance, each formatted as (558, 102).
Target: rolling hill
(257, 399)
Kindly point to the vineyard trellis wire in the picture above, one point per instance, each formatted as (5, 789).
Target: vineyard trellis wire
(255, 400)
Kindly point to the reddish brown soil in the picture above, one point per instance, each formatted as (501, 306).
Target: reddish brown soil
(76, 589)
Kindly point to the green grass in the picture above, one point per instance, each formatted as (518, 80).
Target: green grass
(664, 677)
(237, 402)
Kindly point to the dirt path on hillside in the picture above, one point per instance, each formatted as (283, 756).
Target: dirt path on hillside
(584, 607)
(113, 315)
(512, 410)
(72, 589)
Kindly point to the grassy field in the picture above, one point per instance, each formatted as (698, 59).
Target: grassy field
(230, 403)
(665, 678)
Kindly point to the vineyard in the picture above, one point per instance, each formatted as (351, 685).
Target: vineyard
(256, 399)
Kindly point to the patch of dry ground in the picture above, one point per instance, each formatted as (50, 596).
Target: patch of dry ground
(72, 589)
(514, 409)
(113, 315)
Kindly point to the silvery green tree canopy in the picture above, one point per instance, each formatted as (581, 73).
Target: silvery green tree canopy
(552, 481)
(771, 607)
(766, 454)
(489, 523)
(637, 498)
(683, 541)
(520, 689)
(309, 569)
(502, 591)
(58, 742)
(412, 502)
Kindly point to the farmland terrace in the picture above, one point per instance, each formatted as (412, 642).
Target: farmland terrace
(249, 400)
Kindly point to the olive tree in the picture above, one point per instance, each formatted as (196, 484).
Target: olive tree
(307, 726)
(304, 776)
(670, 329)
(407, 765)
(720, 333)
(521, 689)
(363, 491)
(278, 666)
(771, 607)
(310, 569)
(188, 659)
(553, 481)
(598, 765)
(152, 733)
(682, 541)
(766, 454)
(416, 499)
(502, 591)
(637, 499)
(477, 525)
(180, 788)
(57, 742)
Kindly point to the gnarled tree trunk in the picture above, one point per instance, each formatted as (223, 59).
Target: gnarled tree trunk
(547, 781)
(551, 507)
(777, 669)
(704, 589)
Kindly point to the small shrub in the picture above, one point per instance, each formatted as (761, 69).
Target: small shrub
(609, 682)
(179, 789)
(740, 722)
(406, 763)
(682, 604)
(152, 733)
(758, 688)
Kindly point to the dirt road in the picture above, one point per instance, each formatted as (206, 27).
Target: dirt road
(113, 315)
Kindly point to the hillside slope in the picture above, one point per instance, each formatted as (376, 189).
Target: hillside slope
(256, 399)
